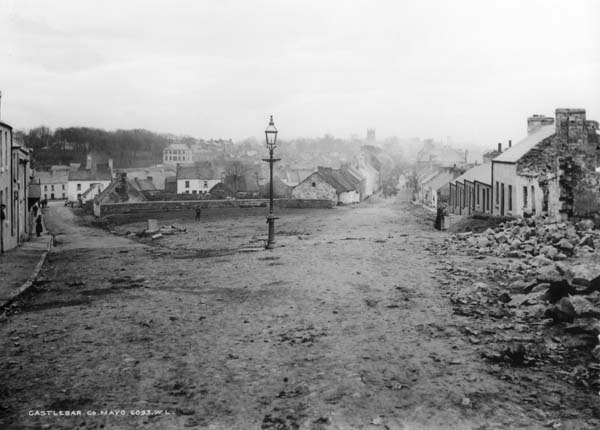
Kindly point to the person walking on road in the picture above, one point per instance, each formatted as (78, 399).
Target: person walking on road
(38, 225)
(198, 213)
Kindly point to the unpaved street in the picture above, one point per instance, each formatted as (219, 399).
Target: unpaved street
(346, 325)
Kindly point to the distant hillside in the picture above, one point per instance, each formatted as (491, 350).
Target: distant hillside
(127, 148)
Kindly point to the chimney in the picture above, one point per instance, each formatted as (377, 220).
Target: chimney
(510, 143)
(88, 163)
(499, 147)
(110, 166)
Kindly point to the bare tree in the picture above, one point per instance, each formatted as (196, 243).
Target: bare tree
(235, 174)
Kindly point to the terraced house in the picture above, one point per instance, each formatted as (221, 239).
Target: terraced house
(15, 172)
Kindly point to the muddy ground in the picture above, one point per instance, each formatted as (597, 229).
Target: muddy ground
(352, 322)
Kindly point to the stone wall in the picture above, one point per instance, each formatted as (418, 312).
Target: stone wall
(173, 206)
(567, 160)
(314, 187)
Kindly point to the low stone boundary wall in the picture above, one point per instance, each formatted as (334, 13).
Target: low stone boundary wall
(185, 205)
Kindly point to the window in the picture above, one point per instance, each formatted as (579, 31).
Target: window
(314, 184)
(52, 187)
(478, 191)
(64, 187)
(78, 187)
(63, 195)
(497, 192)
(524, 197)
(205, 184)
(532, 198)
(510, 197)
(45, 187)
(187, 184)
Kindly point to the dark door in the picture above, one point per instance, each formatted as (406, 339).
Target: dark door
(502, 199)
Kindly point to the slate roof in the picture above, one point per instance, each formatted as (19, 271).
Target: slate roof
(144, 184)
(339, 179)
(116, 192)
(512, 155)
(195, 171)
(89, 175)
(481, 173)
(440, 180)
(52, 177)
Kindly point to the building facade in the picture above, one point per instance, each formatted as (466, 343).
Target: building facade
(198, 178)
(471, 192)
(15, 172)
(177, 153)
(53, 183)
(84, 185)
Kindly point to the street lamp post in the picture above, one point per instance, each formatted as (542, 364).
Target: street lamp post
(271, 137)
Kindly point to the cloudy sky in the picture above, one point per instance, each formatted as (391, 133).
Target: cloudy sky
(469, 69)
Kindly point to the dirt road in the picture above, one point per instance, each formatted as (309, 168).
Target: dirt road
(346, 325)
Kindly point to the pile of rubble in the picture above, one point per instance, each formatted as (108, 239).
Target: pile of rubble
(538, 241)
(552, 272)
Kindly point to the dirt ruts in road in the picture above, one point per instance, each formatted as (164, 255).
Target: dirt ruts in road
(347, 324)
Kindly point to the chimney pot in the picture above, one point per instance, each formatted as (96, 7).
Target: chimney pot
(499, 147)
(510, 143)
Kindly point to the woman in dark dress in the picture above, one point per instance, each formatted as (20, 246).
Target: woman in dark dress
(38, 224)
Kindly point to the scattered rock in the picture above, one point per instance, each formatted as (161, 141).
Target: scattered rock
(562, 312)
(587, 275)
(583, 307)
(565, 246)
(500, 237)
(585, 225)
(540, 260)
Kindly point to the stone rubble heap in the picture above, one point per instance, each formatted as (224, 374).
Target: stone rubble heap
(537, 241)
(552, 271)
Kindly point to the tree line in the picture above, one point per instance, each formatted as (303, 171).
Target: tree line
(127, 148)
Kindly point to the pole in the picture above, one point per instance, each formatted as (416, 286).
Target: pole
(271, 218)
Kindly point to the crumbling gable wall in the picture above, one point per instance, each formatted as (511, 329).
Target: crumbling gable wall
(565, 166)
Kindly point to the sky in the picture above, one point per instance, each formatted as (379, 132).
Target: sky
(470, 70)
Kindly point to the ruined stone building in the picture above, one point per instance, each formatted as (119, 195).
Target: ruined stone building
(552, 171)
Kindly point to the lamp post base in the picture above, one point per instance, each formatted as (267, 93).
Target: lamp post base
(271, 239)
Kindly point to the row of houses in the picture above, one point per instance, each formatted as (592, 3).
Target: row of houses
(73, 182)
(351, 183)
(15, 173)
(554, 171)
